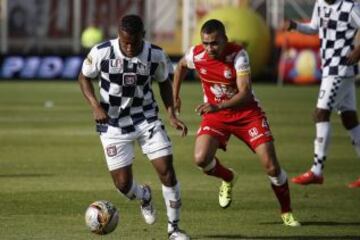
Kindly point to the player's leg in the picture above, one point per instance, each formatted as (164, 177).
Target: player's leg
(350, 120)
(210, 137)
(329, 95)
(119, 154)
(157, 146)
(278, 179)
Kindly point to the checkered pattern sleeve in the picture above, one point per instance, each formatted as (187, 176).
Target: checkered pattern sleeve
(161, 73)
(355, 15)
(313, 26)
(242, 63)
(91, 64)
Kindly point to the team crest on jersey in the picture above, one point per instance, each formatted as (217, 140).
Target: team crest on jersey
(142, 69)
(199, 57)
(129, 79)
(111, 150)
(227, 73)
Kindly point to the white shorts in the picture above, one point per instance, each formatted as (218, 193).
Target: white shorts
(119, 148)
(337, 93)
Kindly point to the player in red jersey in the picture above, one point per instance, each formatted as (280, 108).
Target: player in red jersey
(229, 108)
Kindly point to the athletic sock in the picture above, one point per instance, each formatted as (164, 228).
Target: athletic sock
(280, 187)
(217, 170)
(321, 143)
(172, 200)
(355, 138)
(137, 192)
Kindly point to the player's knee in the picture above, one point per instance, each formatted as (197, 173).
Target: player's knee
(200, 159)
(321, 115)
(349, 119)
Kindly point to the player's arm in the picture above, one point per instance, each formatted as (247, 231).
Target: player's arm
(243, 84)
(166, 92)
(88, 73)
(310, 28)
(179, 75)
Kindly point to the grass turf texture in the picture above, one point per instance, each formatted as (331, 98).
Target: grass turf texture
(52, 167)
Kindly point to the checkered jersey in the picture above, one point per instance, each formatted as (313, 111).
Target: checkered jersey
(337, 34)
(125, 83)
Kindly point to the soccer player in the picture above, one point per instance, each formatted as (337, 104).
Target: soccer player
(229, 108)
(127, 112)
(336, 22)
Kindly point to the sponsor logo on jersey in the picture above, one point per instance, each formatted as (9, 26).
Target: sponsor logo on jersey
(111, 150)
(115, 63)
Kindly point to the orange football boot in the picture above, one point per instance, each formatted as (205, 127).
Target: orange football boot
(355, 184)
(308, 178)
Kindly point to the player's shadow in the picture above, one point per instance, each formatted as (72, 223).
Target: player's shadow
(242, 237)
(320, 223)
(25, 175)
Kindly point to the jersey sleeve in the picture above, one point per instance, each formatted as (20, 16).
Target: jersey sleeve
(313, 26)
(189, 58)
(162, 71)
(91, 64)
(355, 15)
(242, 63)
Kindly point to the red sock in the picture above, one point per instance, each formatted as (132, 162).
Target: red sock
(220, 171)
(283, 195)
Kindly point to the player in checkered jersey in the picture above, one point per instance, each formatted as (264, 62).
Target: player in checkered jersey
(230, 108)
(336, 22)
(127, 112)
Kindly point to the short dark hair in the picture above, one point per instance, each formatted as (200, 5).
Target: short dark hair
(131, 24)
(213, 25)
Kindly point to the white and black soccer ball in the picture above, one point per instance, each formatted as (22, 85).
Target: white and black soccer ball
(101, 217)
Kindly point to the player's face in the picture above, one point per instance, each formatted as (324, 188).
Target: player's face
(131, 45)
(213, 43)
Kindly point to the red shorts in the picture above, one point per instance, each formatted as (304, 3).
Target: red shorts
(253, 132)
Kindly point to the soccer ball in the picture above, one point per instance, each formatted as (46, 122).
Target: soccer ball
(101, 217)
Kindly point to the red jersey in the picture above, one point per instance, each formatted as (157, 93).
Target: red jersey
(218, 78)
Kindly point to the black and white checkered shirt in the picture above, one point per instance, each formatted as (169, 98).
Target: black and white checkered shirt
(125, 83)
(337, 25)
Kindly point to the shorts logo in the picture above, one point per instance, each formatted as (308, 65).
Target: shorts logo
(111, 150)
(253, 132)
(129, 79)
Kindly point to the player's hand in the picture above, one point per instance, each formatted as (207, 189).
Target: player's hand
(177, 105)
(100, 116)
(179, 125)
(353, 57)
(206, 108)
(288, 25)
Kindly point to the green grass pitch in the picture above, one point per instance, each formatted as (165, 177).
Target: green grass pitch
(52, 167)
